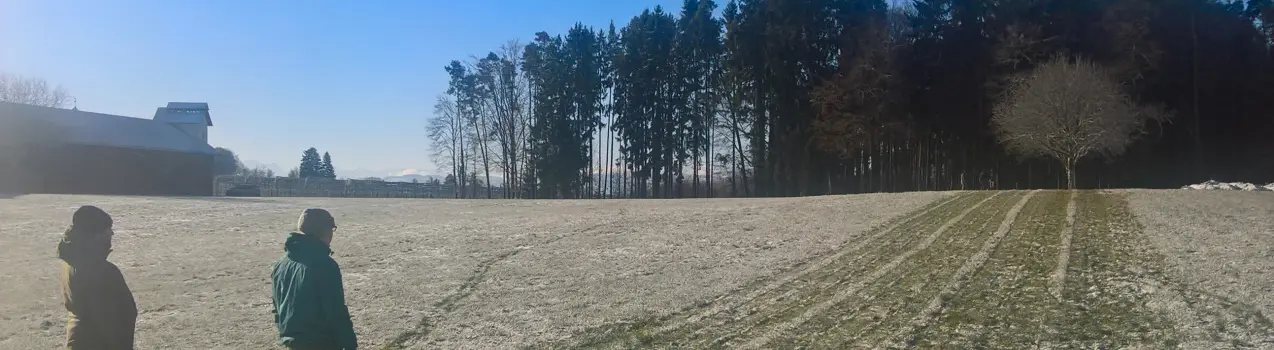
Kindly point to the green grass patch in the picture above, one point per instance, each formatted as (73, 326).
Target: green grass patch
(1006, 303)
(885, 304)
(1105, 299)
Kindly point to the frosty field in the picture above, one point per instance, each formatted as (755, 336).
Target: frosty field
(1010, 269)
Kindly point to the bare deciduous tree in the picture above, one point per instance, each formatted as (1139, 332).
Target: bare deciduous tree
(1068, 109)
(445, 131)
(226, 162)
(505, 102)
(32, 91)
(258, 172)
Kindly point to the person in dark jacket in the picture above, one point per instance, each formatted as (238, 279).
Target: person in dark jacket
(101, 311)
(309, 297)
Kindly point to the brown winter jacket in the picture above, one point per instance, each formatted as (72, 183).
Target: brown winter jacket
(101, 311)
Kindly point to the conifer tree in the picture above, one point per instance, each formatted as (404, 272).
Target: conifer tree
(311, 164)
(328, 171)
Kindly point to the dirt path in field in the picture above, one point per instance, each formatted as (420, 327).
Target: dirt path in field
(1012, 269)
(452, 301)
(447, 304)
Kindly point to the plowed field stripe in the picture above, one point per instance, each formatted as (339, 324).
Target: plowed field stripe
(821, 263)
(853, 289)
(1057, 280)
(975, 262)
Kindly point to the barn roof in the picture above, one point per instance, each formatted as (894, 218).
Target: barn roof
(97, 129)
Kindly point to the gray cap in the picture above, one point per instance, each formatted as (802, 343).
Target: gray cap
(315, 220)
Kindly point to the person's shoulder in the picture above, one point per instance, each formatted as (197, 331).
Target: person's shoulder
(91, 274)
(111, 268)
(307, 261)
(327, 262)
(104, 266)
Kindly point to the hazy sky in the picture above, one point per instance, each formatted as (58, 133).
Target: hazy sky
(355, 78)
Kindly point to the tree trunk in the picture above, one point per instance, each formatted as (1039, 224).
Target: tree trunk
(739, 154)
(455, 164)
(1194, 87)
(1069, 164)
(735, 172)
(707, 156)
(462, 175)
(610, 152)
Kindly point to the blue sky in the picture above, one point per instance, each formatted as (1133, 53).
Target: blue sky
(355, 78)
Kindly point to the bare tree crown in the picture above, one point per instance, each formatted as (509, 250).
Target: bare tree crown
(1069, 109)
(18, 89)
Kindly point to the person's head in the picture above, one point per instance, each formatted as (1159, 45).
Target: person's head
(89, 237)
(317, 223)
(91, 222)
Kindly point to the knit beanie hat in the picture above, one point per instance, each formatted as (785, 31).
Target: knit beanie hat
(89, 220)
(315, 221)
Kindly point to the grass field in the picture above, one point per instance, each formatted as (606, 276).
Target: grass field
(1003, 270)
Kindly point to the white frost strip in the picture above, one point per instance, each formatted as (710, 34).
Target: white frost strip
(827, 260)
(853, 289)
(975, 262)
(1057, 280)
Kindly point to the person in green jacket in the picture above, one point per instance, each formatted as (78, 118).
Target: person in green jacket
(309, 297)
(101, 311)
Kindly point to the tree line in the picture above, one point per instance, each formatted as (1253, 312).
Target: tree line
(787, 98)
(226, 162)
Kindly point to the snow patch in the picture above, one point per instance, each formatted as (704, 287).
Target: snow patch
(1229, 186)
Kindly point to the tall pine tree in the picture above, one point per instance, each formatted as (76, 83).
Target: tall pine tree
(311, 164)
(328, 171)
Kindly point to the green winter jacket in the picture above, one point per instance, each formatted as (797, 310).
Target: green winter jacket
(309, 298)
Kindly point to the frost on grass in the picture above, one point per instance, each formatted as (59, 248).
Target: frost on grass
(616, 274)
(766, 286)
(1116, 293)
(742, 317)
(823, 305)
(1217, 245)
(1057, 280)
(426, 273)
